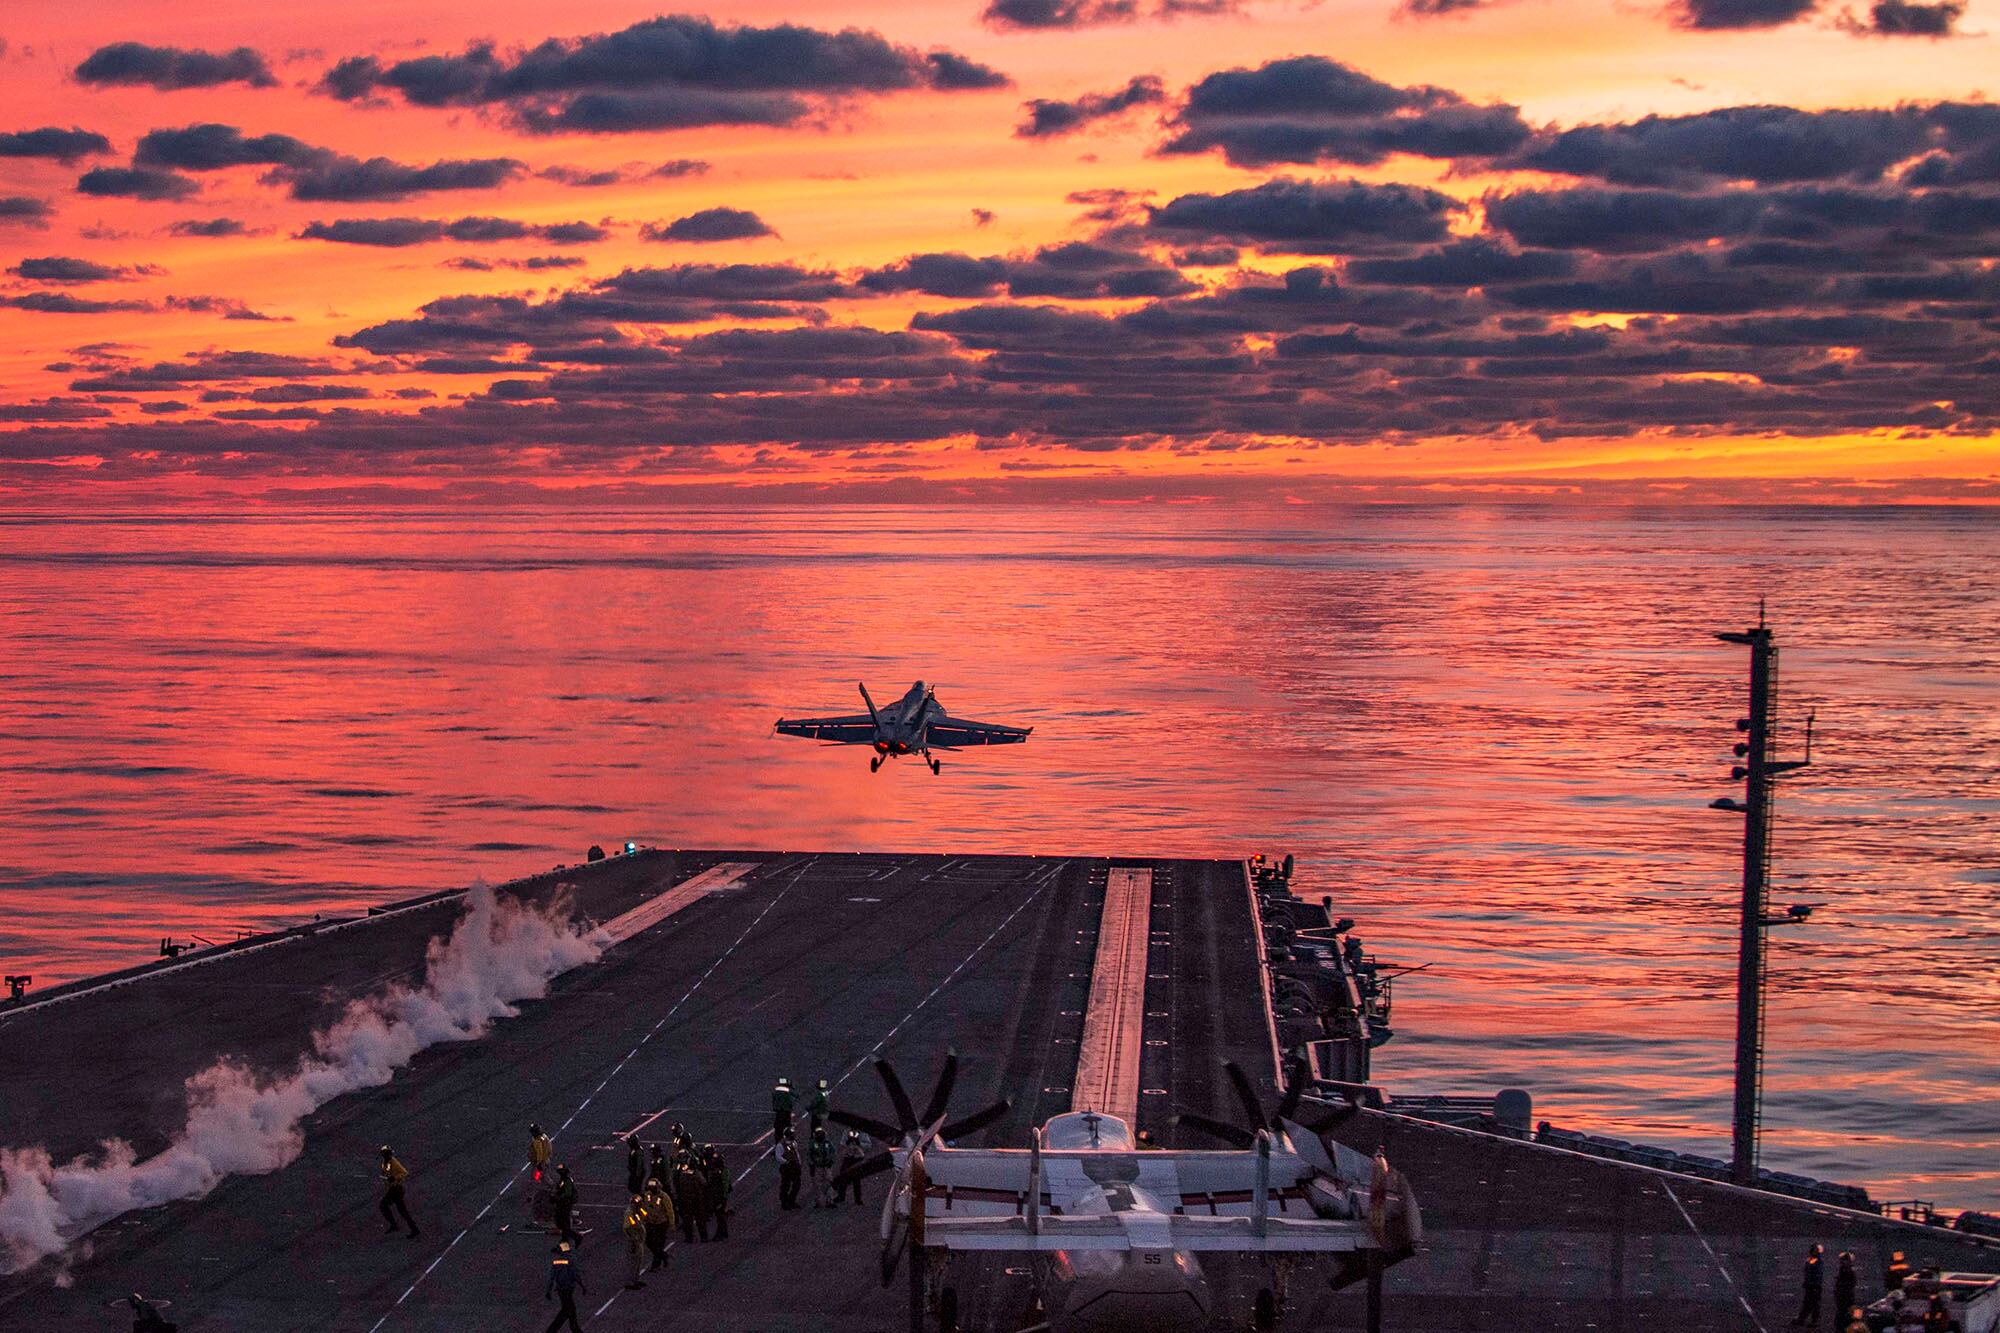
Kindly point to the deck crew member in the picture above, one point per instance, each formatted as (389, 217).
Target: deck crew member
(690, 1197)
(1897, 1273)
(788, 1172)
(659, 1209)
(819, 1159)
(146, 1317)
(844, 1178)
(656, 1168)
(635, 1241)
(565, 1281)
(635, 1167)
(1937, 1315)
(394, 1173)
(816, 1109)
(540, 1150)
(565, 1201)
(715, 1188)
(1845, 1280)
(1812, 1288)
(781, 1108)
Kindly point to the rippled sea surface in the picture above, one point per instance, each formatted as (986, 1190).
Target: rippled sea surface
(1490, 734)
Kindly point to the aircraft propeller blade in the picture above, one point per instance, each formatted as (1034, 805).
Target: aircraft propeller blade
(941, 1094)
(1253, 1110)
(906, 1114)
(879, 1130)
(866, 1167)
(1233, 1135)
(978, 1120)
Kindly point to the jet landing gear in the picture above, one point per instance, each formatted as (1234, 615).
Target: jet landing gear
(935, 765)
(875, 764)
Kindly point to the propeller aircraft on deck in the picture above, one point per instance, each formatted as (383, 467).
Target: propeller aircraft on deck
(915, 724)
(1116, 1229)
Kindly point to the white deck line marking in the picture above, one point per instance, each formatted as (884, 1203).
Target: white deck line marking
(658, 908)
(1715, 1258)
(650, 1032)
(1107, 1062)
(855, 1068)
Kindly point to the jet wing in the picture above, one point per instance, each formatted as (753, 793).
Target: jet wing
(956, 733)
(854, 729)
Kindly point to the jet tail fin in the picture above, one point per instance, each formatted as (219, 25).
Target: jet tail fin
(873, 715)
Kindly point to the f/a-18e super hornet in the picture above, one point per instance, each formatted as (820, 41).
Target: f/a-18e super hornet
(914, 724)
(1114, 1229)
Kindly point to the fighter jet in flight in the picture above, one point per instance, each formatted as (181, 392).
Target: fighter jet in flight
(915, 724)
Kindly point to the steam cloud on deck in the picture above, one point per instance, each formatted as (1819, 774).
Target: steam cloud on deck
(238, 1122)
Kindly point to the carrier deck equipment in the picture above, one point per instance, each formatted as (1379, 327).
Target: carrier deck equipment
(806, 965)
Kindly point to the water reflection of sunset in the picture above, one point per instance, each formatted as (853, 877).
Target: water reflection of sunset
(1489, 734)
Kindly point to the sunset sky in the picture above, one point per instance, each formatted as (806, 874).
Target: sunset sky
(604, 253)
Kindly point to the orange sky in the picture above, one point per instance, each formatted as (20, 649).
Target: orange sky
(863, 182)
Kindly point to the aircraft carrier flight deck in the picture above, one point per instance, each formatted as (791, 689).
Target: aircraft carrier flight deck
(737, 967)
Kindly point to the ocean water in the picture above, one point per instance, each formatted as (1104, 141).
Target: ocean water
(1490, 734)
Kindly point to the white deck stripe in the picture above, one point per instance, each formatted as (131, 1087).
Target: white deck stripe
(657, 909)
(1107, 1065)
(620, 929)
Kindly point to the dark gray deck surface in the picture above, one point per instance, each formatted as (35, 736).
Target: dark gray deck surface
(806, 971)
(1525, 1237)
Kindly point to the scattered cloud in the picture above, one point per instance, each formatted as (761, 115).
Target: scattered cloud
(22, 211)
(710, 224)
(1307, 109)
(533, 263)
(399, 232)
(1047, 118)
(1059, 13)
(1732, 15)
(63, 303)
(593, 178)
(1287, 216)
(1031, 15)
(170, 68)
(211, 146)
(1428, 9)
(670, 72)
(1076, 270)
(209, 227)
(339, 178)
(135, 183)
(1909, 18)
(53, 142)
(66, 269)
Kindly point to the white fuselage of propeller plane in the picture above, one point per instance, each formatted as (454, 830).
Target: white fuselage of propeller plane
(1117, 1229)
